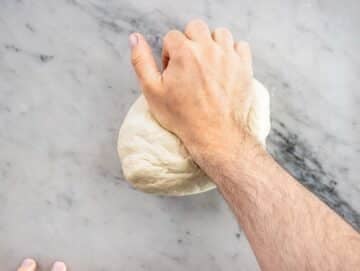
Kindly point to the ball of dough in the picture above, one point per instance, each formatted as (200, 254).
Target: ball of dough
(155, 160)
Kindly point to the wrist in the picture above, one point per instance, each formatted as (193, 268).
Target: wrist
(218, 155)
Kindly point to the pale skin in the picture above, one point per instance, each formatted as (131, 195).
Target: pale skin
(204, 73)
(30, 265)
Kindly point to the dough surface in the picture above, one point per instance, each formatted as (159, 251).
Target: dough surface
(155, 161)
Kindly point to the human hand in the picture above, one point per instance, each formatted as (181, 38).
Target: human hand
(30, 265)
(204, 79)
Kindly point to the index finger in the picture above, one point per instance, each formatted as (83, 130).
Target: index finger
(172, 40)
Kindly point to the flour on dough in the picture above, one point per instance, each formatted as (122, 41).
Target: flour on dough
(155, 161)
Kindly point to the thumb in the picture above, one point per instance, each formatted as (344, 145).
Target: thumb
(143, 61)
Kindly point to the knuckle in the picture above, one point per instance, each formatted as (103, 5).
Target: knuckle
(151, 86)
(186, 50)
(195, 24)
(222, 30)
(215, 52)
(170, 35)
(136, 60)
(173, 39)
(147, 86)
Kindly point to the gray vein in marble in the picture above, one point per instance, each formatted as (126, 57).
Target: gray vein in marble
(42, 57)
(294, 154)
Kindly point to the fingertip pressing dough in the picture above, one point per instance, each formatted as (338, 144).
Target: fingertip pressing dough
(155, 161)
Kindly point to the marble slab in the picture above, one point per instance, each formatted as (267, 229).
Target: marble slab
(66, 84)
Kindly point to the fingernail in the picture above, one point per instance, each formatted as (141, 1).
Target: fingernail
(133, 40)
(58, 266)
(28, 263)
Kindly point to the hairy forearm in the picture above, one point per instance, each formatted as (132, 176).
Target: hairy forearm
(287, 226)
(203, 75)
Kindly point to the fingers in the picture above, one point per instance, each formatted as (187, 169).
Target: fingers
(172, 40)
(243, 50)
(27, 265)
(198, 30)
(143, 62)
(58, 266)
(30, 265)
(224, 38)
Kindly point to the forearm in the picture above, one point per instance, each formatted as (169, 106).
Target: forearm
(287, 227)
(206, 85)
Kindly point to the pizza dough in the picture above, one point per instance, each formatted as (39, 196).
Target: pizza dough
(155, 161)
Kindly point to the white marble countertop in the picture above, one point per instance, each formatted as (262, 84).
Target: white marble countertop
(66, 84)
